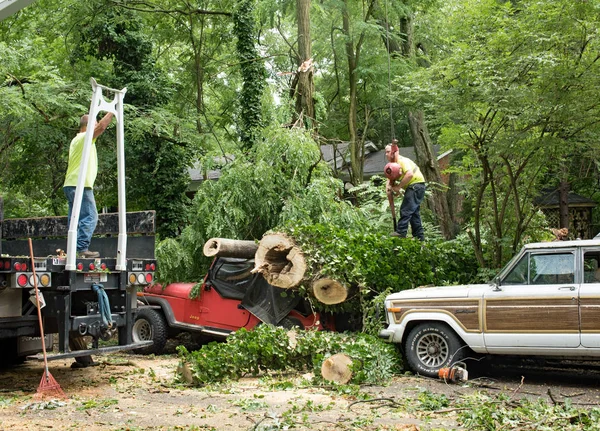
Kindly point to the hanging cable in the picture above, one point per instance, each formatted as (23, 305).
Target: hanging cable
(103, 304)
(387, 38)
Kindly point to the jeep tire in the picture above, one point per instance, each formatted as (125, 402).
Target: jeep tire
(431, 346)
(150, 325)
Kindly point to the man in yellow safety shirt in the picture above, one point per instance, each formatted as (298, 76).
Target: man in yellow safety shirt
(403, 174)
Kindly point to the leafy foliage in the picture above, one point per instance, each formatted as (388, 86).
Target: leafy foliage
(253, 73)
(268, 348)
(373, 263)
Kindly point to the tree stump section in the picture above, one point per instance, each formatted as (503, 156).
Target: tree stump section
(329, 291)
(280, 261)
(230, 248)
(336, 368)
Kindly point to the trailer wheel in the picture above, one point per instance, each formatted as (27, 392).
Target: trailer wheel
(431, 346)
(150, 325)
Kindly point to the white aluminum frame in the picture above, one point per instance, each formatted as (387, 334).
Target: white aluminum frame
(99, 104)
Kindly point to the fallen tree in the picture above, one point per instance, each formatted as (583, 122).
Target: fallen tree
(230, 248)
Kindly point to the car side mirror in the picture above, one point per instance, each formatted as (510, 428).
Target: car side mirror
(496, 284)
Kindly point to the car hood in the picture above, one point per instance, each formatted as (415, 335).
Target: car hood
(459, 291)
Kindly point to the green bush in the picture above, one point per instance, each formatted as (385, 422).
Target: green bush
(269, 348)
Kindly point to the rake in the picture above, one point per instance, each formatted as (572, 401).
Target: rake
(48, 387)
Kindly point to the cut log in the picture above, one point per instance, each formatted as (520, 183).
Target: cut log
(336, 368)
(230, 248)
(329, 291)
(280, 261)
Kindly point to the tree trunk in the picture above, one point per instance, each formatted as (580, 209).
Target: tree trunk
(429, 166)
(356, 159)
(305, 107)
(563, 203)
(329, 291)
(336, 368)
(230, 248)
(280, 261)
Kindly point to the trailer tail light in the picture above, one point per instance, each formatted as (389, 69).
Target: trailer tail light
(45, 280)
(149, 278)
(6, 265)
(103, 266)
(17, 266)
(22, 280)
(153, 267)
(92, 266)
(132, 278)
(80, 266)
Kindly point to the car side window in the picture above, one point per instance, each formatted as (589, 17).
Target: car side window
(518, 275)
(591, 267)
(556, 268)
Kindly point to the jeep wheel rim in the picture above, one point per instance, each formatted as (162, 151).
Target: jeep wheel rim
(142, 331)
(432, 350)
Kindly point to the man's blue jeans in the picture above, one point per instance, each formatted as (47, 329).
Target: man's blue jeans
(410, 211)
(88, 216)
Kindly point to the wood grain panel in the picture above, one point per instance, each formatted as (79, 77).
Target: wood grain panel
(465, 312)
(528, 315)
(590, 314)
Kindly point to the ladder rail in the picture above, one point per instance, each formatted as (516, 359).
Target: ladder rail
(97, 105)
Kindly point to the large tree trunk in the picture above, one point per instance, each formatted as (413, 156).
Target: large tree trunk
(280, 261)
(329, 291)
(230, 248)
(428, 163)
(352, 55)
(305, 107)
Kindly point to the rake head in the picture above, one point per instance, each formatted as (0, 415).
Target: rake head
(49, 388)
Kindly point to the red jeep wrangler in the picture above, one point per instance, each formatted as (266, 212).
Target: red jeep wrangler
(230, 298)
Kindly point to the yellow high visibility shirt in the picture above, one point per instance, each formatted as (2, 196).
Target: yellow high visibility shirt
(407, 165)
(75, 153)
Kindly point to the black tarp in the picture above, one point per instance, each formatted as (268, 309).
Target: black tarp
(232, 278)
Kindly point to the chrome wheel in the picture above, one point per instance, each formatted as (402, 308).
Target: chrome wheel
(432, 350)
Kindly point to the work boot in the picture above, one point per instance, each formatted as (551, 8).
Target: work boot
(396, 234)
(88, 254)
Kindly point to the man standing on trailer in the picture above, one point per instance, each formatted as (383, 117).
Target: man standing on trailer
(411, 180)
(88, 215)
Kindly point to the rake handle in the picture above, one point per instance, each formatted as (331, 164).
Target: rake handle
(39, 310)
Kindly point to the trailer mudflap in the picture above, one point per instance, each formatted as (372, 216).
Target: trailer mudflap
(99, 351)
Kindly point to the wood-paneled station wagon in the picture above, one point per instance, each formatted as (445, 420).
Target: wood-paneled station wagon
(545, 302)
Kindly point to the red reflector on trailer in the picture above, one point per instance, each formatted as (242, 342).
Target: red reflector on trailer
(147, 267)
(148, 278)
(153, 267)
(103, 266)
(17, 266)
(7, 264)
(23, 266)
(22, 280)
(80, 266)
(92, 266)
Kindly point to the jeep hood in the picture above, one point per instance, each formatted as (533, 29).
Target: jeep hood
(459, 291)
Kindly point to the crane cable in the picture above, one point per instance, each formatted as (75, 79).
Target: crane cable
(387, 38)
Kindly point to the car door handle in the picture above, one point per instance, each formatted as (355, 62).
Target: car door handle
(571, 288)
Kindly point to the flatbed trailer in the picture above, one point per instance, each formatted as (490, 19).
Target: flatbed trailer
(71, 297)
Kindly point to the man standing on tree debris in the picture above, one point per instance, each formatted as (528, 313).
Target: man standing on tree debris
(411, 181)
(88, 215)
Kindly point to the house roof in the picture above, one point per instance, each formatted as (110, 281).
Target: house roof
(550, 198)
(375, 159)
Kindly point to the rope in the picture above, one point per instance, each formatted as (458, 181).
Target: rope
(103, 304)
(387, 38)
